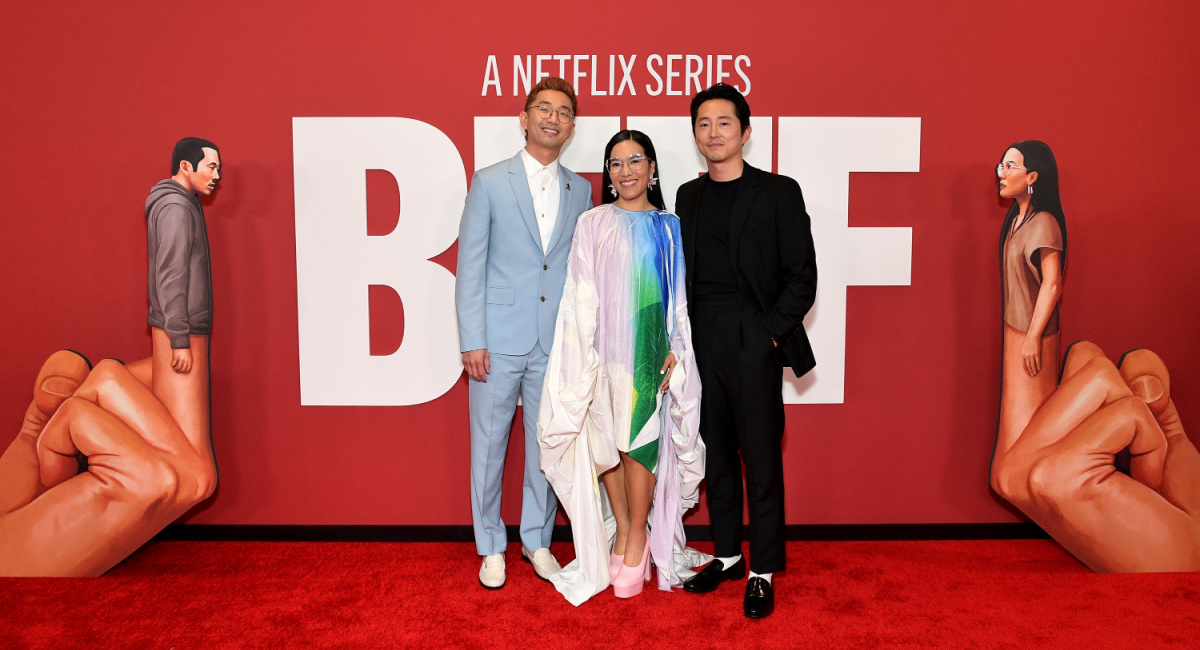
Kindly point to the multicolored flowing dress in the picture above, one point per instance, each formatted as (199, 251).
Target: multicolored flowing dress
(623, 309)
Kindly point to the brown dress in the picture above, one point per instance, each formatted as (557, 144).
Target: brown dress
(1023, 273)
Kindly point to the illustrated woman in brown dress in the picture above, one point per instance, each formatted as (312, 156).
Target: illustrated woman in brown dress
(1033, 245)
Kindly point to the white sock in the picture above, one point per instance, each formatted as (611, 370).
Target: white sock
(727, 562)
(764, 576)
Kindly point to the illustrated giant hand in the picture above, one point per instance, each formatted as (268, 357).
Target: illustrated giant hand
(62, 516)
(1062, 470)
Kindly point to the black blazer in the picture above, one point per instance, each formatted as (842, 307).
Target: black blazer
(770, 240)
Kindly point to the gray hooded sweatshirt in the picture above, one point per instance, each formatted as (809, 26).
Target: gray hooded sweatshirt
(180, 278)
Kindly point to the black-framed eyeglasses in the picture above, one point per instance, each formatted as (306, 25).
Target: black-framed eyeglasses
(546, 110)
(636, 163)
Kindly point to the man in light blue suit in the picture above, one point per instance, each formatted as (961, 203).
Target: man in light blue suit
(513, 242)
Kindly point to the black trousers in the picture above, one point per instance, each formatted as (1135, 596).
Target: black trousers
(741, 422)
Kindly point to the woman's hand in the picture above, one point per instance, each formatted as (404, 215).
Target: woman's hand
(667, 369)
(1031, 354)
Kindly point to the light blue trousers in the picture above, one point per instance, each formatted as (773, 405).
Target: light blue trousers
(493, 404)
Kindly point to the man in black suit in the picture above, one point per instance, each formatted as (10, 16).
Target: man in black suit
(751, 278)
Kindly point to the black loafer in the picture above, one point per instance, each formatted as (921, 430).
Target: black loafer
(714, 574)
(760, 598)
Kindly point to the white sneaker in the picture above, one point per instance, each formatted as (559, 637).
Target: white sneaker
(544, 564)
(491, 574)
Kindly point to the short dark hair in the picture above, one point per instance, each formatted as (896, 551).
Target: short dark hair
(654, 193)
(723, 91)
(554, 83)
(191, 150)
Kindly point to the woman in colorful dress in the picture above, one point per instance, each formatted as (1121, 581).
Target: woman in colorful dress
(621, 401)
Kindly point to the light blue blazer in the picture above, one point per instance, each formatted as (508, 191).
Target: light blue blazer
(507, 290)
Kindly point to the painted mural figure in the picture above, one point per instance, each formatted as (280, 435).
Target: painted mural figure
(1033, 245)
(1057, 443)
(751, 279)
(622, 396)
(107, 457)
(513, 240)
(179, 286)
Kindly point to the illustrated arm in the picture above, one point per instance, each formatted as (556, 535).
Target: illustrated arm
(1049, 292)
(1051, 289)
(172, 271)
(793, 230)
(1047, 244)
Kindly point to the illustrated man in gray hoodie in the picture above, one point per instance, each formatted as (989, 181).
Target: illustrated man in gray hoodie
(180, 287)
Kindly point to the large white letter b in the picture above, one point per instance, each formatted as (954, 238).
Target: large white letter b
(336, 260)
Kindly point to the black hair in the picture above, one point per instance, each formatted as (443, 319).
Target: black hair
(191, 150)
(654, 193)
(723, 91)
(1038, 158)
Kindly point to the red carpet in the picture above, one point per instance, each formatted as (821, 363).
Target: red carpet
(959, 594)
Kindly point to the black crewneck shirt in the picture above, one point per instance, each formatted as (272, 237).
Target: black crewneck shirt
(714, 272)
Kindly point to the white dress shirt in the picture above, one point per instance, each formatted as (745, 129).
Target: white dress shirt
(543, 186)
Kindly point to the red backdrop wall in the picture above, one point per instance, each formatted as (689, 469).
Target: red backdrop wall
(94, 98)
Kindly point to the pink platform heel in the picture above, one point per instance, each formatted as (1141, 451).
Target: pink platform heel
(631, 579)
(614, 566)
